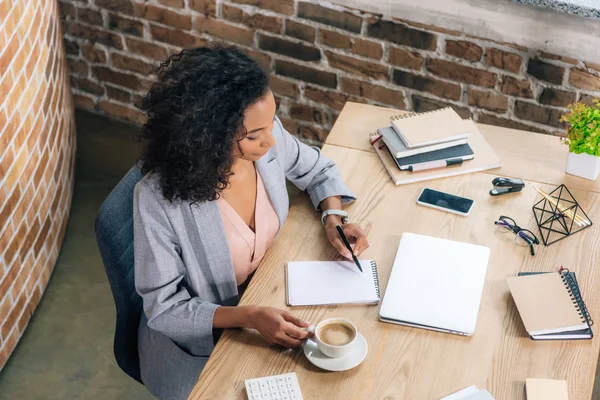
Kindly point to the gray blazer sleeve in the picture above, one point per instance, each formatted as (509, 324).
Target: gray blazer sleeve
(159, 271)
(308, 169)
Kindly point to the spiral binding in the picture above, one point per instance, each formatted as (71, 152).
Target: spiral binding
(576, 298)
(412, 114)
(375, 278)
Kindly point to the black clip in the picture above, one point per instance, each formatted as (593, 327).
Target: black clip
(506, 185)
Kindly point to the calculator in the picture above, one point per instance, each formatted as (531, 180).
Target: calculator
(276, 387)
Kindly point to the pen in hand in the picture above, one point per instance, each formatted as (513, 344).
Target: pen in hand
(347, 244)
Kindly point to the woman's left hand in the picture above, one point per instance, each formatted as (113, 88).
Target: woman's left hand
(354, 234)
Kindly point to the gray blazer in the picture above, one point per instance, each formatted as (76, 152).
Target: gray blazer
(183, 267)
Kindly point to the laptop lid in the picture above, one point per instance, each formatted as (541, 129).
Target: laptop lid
(435, 284)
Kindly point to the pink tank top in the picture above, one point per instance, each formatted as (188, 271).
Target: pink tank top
(247, 247)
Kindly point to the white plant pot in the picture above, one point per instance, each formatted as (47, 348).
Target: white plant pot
(583, 165)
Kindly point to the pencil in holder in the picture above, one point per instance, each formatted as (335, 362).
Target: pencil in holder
(559, 215)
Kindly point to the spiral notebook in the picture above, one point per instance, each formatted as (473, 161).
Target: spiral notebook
(551, 306)
(311, 283)
(429, 128)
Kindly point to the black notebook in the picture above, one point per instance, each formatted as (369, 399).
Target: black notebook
(569, 279)
(462, 151)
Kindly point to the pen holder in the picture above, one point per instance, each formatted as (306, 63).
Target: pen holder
(550, 216)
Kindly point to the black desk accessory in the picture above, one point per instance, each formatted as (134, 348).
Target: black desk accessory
(506, 185)
(552, 215)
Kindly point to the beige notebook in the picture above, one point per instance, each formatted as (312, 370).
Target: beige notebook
(485, 159)
(545, 304)
(428, 128)
(546, 389)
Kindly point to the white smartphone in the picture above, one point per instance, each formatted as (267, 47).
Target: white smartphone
(445, 202)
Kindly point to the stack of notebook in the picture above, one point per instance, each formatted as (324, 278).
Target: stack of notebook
(417, 147)
(551, 305)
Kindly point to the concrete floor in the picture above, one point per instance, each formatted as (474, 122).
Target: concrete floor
(66, 351)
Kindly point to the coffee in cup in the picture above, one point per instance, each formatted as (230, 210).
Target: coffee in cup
(335, 337)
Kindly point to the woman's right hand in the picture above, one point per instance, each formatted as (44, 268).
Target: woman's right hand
(279, 326)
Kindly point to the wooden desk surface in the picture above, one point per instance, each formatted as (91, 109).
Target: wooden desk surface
(525, 155)
(409, 363)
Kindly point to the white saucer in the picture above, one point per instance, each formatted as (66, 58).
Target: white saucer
(314, 355)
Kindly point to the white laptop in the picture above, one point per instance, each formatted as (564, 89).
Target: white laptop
(435, 284)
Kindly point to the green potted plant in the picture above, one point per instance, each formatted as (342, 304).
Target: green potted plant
(583, 139)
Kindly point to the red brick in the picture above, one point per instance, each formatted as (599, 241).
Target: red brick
(593, 66)
(305, 73)
(146, 49)
(118, 94)
(281, 6)
(423, 83)
(404, 58)
(284, 87)
(556, 97)
(289, 125)
(12, 317)
(122, 6)
(424, 104)
(132, 64)
(335, 100)
(88, 86)
(95, 35)
(490, 119)
(545, 71)
(263, 59)
(377, 93)
(164, 16)
(125, 25)
(88, 16)
(463, 49)
(122, 112)
(118, 78)
(66, 9)
(307, 113)
(71, 47)
(356, 66)
(256, 20)
(401, 34)
(289, 48)
(539, 114)
(516, 87)
(488, 100)
(171, 3)
(78, 66)
(462, 73)
(312, 133)
(584, 80)
(503, 59)
(206, 7)
(324, 15)
(428, 27)
(300, 31)
(551, 56)
(93, 54)
(367, 48)
(224, 30)
(334, 39)
(587, 99)
(175, 37)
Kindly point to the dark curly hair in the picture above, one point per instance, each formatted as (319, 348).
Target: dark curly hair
(195, 115)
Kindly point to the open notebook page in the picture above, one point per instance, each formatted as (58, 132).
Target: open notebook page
(331, 282)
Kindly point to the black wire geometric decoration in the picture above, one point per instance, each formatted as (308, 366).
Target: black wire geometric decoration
(552, 222)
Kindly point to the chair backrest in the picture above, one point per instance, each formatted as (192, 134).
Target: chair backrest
(114, 234)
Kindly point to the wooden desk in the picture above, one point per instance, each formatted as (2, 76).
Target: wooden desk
(408, 363)
(525, 155)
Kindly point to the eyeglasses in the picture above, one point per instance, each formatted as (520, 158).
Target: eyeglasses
(523, 237)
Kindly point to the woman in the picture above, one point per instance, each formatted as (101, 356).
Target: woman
(211, 202)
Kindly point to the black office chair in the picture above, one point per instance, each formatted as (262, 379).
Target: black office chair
(114, 234)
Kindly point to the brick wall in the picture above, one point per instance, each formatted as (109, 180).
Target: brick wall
(320, 56)
(37, 149)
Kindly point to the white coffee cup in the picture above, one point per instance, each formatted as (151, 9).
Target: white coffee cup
(335, 337)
